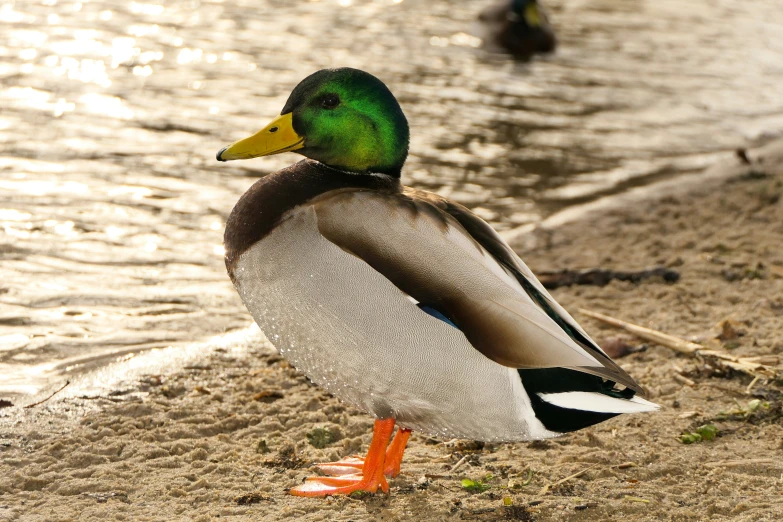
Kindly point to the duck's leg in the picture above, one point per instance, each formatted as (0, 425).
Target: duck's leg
(369, 479)
(354, 463)
(395, 451)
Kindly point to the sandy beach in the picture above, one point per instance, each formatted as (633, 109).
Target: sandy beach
(223, 437)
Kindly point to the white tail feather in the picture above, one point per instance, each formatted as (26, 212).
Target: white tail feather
(597, 402)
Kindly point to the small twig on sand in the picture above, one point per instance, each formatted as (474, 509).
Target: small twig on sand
(546, 488)
(684, 380)
(49, 397)
(748, 365)
(459, 463)
(739, 463)
(636, 499)
(100, 398)
(752, 384)
(602, 277)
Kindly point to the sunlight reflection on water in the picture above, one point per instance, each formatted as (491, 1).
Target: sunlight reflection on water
(112, 206)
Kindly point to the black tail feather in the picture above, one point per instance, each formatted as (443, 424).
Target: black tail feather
(561, 380)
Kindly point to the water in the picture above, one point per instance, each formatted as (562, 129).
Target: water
(112, 205)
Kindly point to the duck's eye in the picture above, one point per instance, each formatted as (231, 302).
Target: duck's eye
(330, 101)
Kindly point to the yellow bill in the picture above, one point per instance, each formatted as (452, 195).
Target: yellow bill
(279, 136)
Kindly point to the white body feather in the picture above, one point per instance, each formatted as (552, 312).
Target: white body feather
(360, 338)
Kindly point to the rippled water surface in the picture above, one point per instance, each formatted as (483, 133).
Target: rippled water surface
(112, 205)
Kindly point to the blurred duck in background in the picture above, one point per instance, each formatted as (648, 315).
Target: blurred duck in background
(519, 27)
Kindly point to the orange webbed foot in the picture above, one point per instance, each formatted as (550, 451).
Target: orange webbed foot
(367, 478)
(355, 463)
(342, 485)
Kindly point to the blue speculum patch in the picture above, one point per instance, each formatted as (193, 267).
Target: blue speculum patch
(437, 314)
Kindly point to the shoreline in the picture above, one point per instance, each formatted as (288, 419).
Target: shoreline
(521, 238)
(226, 433)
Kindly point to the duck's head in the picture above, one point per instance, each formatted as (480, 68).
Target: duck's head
(344, 118)
(525, 10)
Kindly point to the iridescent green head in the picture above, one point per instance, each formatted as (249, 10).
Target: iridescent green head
(345, 118)
(527, 11)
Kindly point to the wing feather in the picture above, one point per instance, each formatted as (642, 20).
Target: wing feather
(443, 255)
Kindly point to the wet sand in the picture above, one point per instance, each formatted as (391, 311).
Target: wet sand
(223, 437)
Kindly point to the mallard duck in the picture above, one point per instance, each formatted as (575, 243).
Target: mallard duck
(399, 301)
(520, 27)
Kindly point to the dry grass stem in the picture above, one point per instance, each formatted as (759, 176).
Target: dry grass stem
(684, 380)
(752, 384)
(459, 463)
(61, 388)
(747, 365)
(739, 463)
(546, 488)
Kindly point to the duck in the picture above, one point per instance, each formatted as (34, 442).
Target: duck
(520, 27)
(398, 301)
